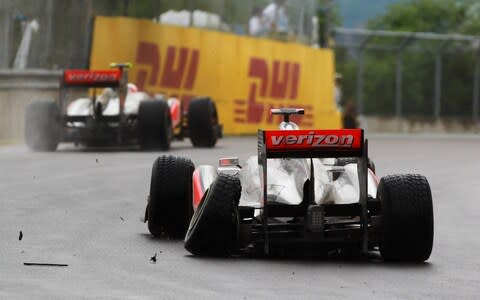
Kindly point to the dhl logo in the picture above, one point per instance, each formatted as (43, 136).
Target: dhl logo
(176, 70)
(277, 81)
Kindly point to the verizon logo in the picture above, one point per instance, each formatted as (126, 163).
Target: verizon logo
(91, 77)
(314, 140)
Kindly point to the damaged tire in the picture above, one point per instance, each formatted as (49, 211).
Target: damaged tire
(407, 218)
(42, 126)
(214, 225)
(203, 126)
(170, 203)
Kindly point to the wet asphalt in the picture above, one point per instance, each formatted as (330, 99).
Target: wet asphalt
(84, 208)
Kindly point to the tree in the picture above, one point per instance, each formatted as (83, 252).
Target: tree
(439, 16)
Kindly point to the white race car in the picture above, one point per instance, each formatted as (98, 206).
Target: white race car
(306, 189)
(119, 115)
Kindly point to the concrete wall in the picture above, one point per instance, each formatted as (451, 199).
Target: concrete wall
(375, 124)
(17, 89)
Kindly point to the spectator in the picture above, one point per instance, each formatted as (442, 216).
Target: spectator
(276, 18)
(256, 25)
(338, 91)
(349, 116)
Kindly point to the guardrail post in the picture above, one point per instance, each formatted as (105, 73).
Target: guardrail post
(398, 86)
(438, 85)
(360, 70)
(476, 83)
(5, 38)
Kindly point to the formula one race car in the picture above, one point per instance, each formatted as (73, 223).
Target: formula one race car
(306, 189)
(120, 115)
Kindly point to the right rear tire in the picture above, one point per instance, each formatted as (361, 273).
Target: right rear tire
(169, 207)
(407, 218)
(42, 126)
(203, 126)
(154, 125)
(214, 225)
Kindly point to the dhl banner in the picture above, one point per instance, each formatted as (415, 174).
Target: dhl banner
(245, 76)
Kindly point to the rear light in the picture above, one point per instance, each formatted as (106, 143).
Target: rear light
(315, 218)
(228, 162)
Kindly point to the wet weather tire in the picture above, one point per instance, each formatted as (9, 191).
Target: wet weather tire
(214, 225)
(154, 125)
(407, 223)
(170, 203)
(203, 122)
(42, 126)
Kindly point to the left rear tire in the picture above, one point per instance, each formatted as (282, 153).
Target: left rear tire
(214, 225)
(42, 126)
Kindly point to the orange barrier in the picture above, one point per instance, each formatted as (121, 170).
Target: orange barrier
(245, 76)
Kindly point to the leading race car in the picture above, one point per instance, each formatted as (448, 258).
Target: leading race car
(119, 115)
(306, 189)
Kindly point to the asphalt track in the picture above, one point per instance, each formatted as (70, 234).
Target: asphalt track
(84, 208)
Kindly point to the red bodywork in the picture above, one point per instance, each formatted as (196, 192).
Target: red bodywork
(197, 189)
(175, 112)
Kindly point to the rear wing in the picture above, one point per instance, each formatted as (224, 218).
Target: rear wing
(87, 78)
(117, 78)
(315, 143)
(310, 143)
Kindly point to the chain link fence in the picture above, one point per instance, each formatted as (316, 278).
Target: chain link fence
(423, 75)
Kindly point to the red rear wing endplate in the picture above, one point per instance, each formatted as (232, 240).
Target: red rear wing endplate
(87, 78)
(311, 143)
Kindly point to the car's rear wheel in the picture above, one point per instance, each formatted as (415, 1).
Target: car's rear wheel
(203, 126)
(42, 126)
(407, 218)
(214, 225)
(154, 125)
(170, 202)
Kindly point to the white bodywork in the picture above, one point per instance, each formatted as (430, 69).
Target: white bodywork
(110, 104)
(286, 177)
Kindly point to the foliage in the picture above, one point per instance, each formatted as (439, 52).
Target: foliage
(439, 16)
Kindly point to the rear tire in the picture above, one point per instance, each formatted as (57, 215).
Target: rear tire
(170, 203)
(214, 225)
(154, 125)
(407, 222)
(203, 122)
(42, 126)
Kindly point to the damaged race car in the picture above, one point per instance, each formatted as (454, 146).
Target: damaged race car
(118, 115)
(314, 190)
